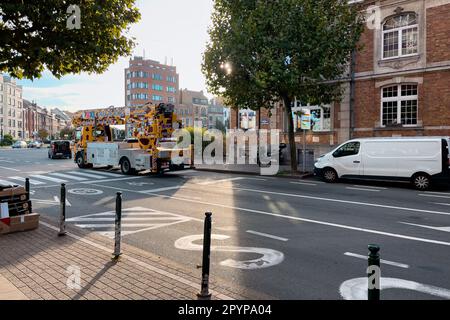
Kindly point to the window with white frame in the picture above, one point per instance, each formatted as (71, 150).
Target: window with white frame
(399, 105)
(400, 36)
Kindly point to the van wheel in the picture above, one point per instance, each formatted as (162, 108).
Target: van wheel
(125, 167)
(421, 181)
(80, 161)
(330, 175)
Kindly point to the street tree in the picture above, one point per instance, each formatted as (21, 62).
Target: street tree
(64, 38)
(66, 132)
(264, 52)
(43, 134)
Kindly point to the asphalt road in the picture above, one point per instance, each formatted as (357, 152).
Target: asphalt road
(284, 238)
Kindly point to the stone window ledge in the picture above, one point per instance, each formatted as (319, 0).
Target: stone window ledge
(398, 63)
(400, 128)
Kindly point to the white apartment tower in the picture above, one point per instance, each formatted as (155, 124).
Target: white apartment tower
(11, 108)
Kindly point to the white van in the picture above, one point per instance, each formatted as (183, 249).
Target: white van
(420, 160)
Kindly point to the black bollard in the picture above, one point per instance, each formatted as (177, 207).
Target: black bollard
(62, 215)
(27, 185)
(374, 273)
(118, 226)
(204, 292)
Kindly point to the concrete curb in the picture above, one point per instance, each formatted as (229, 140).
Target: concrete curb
(290, 176)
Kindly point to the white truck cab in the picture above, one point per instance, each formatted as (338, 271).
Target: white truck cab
(420, 160)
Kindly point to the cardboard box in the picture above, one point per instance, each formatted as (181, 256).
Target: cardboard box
(19, 223)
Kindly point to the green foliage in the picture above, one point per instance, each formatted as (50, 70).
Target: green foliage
(43, 134)
(261, 52)
(67, 131)
(7, 140)
(34, 36)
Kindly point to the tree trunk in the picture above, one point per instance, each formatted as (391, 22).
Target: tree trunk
(291, 135)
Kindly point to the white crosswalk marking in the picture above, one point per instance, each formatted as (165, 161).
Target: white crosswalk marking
(89, 175)
(134, 220)
(66, 176)
(7, 183)
(38, 176)
(32, 182)
(109, 174)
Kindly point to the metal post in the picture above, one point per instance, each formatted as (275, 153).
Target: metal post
(118, 226)
(62, 216)
(374, 273)
(304, 151)
(27, 185)
(204, 292)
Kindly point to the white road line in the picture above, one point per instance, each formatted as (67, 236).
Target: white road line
(206, 183)
(370, 187)
(445, 229)
(109, 174)
(89, 175)
(267, 235)
(163, 189)
(442, 204)
(6, 168)
(38, 176)
(441, 193)
(32, 182)
(368, 204)
(90, 182)
(362, 189)
(434, 196)
(7, 161)
(388, 234)
(7, 183)
(140, 263)
(305, 183)
(66, 176)
(124, 219)
(395, 264)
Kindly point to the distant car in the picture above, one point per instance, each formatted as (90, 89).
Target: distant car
(19, 145)
(59, 149)
(35, 144)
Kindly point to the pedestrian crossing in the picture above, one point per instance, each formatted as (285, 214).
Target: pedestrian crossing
(134, 220)
(51, 178)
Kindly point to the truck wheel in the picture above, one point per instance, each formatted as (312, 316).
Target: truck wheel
(330, 175)
(125, 167)
(80, 161)
(421, 181)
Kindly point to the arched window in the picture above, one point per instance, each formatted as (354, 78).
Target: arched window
(400, 36)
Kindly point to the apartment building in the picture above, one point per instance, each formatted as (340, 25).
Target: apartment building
(11, 105)
(150, 81)
(192, 108)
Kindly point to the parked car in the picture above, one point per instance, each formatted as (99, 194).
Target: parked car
(420, 160)
(35, 144)
(59, 149)
(19, 145)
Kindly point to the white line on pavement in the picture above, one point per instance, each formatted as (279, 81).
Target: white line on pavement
(7, 161)
(395, 264)
(6, 168)
(32, 182)
(442, 204)
(38, 176)
(7, 183)
(163, 189)
(434, 196)
(267, 235)
(109, 174)
(140, 263)
(89, 175)
(441, 193)
(363, 189)
(370, 187)
(304, 183)
(89, 182)
(66, 176)
(205, 183)
(297, 218)
(445, 229)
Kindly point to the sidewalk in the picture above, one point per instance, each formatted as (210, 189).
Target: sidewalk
(36, 265)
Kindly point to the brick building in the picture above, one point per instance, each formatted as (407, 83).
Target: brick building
(398, 85)
(149, 80)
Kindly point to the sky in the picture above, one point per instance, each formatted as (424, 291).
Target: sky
(168, 28)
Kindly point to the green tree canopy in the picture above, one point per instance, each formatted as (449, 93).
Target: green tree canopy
(261, 52)
(34, 35)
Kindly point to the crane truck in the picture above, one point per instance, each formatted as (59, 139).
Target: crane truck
(146, 143)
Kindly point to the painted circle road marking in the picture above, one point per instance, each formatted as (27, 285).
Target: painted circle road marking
(85, 191)
(269, 257)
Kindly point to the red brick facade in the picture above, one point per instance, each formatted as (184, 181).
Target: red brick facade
(402, 77)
